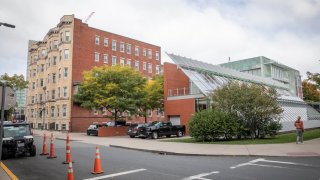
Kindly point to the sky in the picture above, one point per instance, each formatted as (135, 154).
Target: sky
(287, 31)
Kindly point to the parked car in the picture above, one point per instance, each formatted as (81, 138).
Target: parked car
(17, 140)
(160, 129)
(133, 130)
(93, 129)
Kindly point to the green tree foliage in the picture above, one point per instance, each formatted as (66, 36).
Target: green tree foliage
(254, 106)
(153, 98)
(117, 88)
(17, 82)
(314, 77)
(211, 124)
(310, 91)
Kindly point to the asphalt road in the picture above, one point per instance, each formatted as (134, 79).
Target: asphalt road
(135, 165)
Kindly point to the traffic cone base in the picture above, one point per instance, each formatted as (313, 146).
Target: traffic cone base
(97, 172)
(65, 162)
(44, 154)
(51, 157)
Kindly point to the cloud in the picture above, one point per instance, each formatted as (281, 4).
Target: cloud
(211, 31)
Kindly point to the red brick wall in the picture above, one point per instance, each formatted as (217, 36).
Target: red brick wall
(175, 78)
(84, 49)
(112, 131)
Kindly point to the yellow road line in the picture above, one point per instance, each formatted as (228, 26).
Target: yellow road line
(7, 170)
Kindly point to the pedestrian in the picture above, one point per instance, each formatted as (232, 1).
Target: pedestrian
(300, 129)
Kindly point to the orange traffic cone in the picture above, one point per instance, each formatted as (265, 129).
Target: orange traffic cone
(44, 147)
(51, 155)
(68, 152)
(70, 172)
(97, 164)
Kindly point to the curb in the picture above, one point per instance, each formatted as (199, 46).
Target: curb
(7, 170)
(204, 155)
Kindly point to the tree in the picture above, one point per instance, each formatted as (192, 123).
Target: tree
(117, 88)
(153, 97)
(17, 82)
(314, 77)
(254, 106)
(310, 92)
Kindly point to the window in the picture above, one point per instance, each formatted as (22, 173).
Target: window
(66, 54)
(149, 113)
(58, 92)
(33, 85)
(41, 82)
(96, 57)
(114, 60)
(54, 60)
(53, 77)
(65, 72)
(144, 52)
(40, 97)
(32, 99)
(42, 68)
(55, 44)
(104, 111)
(150, 68)
(58, 110)
(128, 48)
(122, 61)
(157, 69)
(136, 51)
(67, 36)
(95, 111)
(149, 54)
(64, 110)
(105, 58)
(129, 62)
(61, 36)
(43, 53)
(34, 72)
(65, 92)
(136, 65)
(114, 45)
(63, 127)
(35, 58)
(48, 78)
(97, 40)
(157, 55)
(144, 66)
(106, 42)
(50, 45)
(53, 94)
(52, 111)
(121, 47)
(60, 55)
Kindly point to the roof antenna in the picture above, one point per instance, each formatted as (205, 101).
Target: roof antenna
(87, 19)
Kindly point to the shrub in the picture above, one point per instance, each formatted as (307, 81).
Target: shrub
(212, 124)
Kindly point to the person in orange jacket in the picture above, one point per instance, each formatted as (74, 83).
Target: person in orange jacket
(300, 129)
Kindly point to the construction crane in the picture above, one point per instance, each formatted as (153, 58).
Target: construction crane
(87, 19)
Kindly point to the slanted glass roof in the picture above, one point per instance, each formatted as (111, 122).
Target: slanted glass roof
(208, 77)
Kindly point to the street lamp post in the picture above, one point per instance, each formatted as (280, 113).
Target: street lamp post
(44, 109)
(3, 101)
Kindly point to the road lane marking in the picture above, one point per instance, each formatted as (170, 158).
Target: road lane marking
(8, 171)
(200, 176)
(116, 174)
(254, 163)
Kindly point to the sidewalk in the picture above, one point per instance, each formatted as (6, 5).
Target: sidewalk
(309, 148)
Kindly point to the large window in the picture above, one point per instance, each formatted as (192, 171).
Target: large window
(121, 46)
(106, 42)
(136, 51)
(150, 54)
(136, 65)
(66, 54)
(128, 48)
(150, 68)
(65, 72)
(105, 58)
(157, 56)
(65, 91)
(55, 44)
(122, 61)
(114, 60)
(52, 111)
(64, 110)
(129, 62)
(53, 77)
(96, 57)
(114, 45)
(97, 40)
(157, 69)
(67, 36)
(144, 52)
(144, 66)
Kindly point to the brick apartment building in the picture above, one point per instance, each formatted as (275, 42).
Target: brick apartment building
(55, 67)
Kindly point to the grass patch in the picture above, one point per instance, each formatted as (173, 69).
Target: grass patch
(281, 138)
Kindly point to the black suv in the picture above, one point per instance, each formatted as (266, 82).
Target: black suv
(17, 140)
